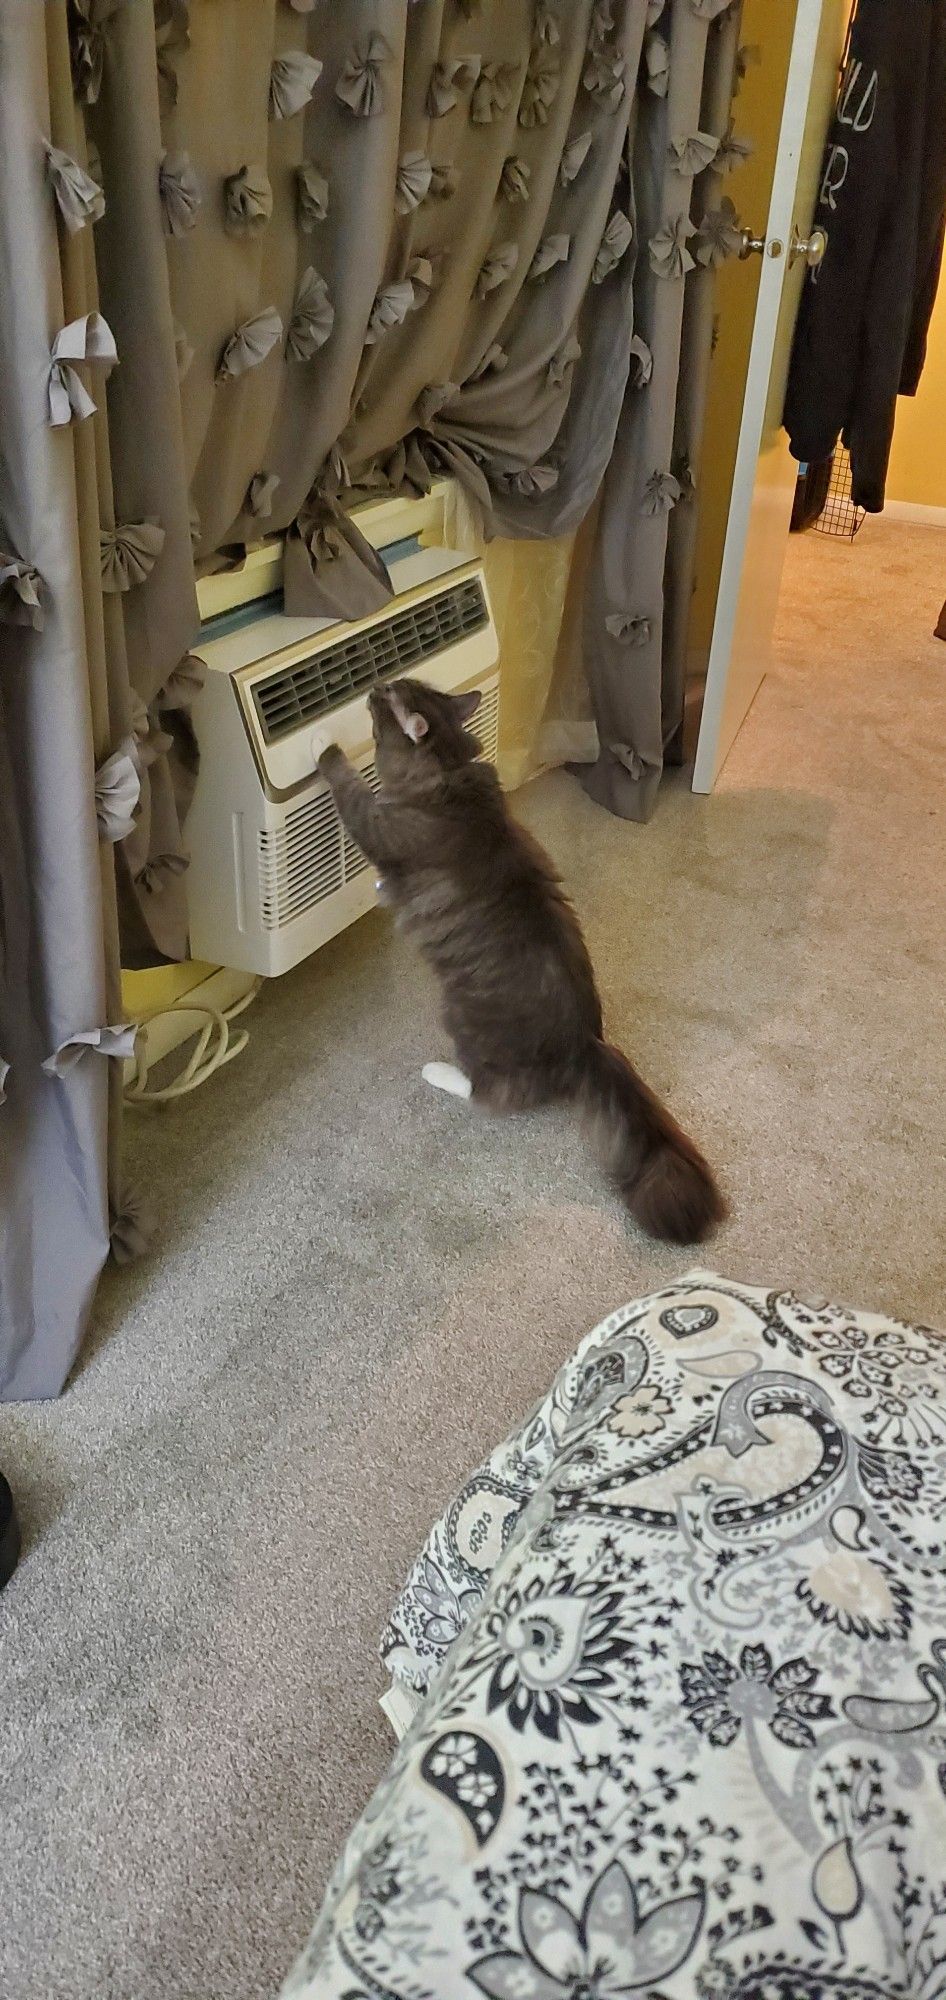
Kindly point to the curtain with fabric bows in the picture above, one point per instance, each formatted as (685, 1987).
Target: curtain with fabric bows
(69, 763)
(265, 258)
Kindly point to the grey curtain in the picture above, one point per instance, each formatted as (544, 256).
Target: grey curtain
(262, 257)
(68, 777)
(642, 569)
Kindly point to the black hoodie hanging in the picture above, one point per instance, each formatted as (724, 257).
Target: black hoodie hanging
(860, 340)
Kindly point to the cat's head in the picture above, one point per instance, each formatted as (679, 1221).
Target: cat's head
(418, 730)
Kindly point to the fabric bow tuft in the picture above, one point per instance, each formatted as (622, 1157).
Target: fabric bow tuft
(448, 78)
(78, 197)
(171, 35)
(87, 24)
(657, 63)
(669, 256)
(574, 157)
(733, 151)
(562, 362)
(117, 791)
(432, 400)
(496, 268)
(719, 236)
(629, 627)
(605, 74)
(634, 764)
(180, 193)
(551, 251)
(423, 273)
(261, 493)
(20, 602)
(748, 56)
(444, 180)
(87, 339)
(292, 79)
(118, 1042)
(694, 153)
(546, 21)
(514, 179)
(311, 196)
(313, 317)
(493, 91)
(661, 492)
(391, 307)
(614, 244)
(129, 552)
(494, 362)
(248, 201)
(540, 89)
(151, 740)
(412, 182)
(641, 354)
(360, 87)
(131, 1228)
(250, 344)
(159, 870)
(529, 482)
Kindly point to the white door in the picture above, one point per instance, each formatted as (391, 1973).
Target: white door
(763, 484)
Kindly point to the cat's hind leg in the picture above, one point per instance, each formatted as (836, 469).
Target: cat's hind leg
(446, 1077)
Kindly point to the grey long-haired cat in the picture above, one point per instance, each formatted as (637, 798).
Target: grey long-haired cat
(485, 906)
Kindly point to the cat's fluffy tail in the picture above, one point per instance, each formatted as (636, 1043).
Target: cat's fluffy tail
(656, 1169)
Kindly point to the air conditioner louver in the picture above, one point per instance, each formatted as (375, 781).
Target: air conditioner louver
(310, 855)
(310, 688)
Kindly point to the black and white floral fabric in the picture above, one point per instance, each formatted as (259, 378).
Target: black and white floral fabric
(683, 1646)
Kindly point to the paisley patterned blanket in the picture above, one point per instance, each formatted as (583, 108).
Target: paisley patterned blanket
(684, 1637)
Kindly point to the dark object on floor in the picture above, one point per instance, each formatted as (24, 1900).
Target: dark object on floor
(9, 1534)
(485, 906)
(860, 340)
(811, 492)
(940, 632)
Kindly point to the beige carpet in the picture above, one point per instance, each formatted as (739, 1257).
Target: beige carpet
(360, 1286)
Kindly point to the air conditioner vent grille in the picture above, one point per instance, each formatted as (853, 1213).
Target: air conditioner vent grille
(292, 696)
(309, 855)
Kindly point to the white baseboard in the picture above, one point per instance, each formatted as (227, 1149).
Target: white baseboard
(171, 1029)
(912, 510)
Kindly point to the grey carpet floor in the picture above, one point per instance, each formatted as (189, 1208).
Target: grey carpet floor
(360, 1286)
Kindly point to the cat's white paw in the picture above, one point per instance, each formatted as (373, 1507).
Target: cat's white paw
(320, 741)
(445, 1076)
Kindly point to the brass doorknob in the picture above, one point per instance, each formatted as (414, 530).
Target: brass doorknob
(812, 247)
(752, 246)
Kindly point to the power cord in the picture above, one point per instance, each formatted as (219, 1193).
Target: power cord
(214, 1046)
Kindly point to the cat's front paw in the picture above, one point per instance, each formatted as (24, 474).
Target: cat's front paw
(325, 751)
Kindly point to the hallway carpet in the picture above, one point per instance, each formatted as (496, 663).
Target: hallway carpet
(360, 1286)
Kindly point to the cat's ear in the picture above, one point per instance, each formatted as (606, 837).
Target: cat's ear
(414, 725)
(467, 704)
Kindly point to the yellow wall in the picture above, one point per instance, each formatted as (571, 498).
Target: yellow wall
(918, 459)
(142, 991)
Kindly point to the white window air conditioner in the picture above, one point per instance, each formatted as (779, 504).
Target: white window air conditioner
(273, 875)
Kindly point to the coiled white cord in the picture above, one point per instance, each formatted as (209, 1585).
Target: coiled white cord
(215, 1045)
